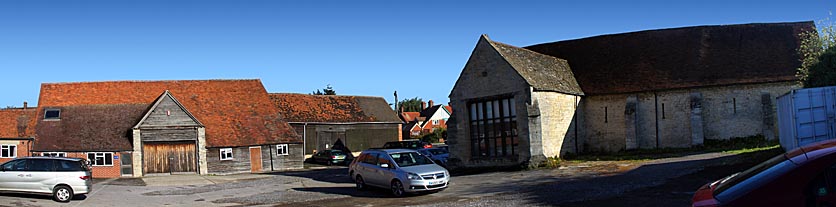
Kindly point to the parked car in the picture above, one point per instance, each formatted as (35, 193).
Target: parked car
(438, 155)
(329, 157)
(802, 177)
(63, 178)
(401, 170)
(407, 144)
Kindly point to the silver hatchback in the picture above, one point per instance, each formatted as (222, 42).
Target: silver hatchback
(401, 170)
(61, 177)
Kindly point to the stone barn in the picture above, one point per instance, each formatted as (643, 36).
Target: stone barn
(668, 88)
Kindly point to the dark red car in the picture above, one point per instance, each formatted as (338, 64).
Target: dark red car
(802, 177)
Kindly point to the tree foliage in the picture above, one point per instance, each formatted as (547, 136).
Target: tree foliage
(817, 53)
(411, 105)
(435, 136)
(328, 90)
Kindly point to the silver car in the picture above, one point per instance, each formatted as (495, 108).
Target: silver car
(61, 177)
(401, 170)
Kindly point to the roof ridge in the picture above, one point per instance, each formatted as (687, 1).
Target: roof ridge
(681, 28)
(148, 81)
(362, 96)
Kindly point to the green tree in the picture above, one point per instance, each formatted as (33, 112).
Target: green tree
(435, 136)
(817, 69)
(411, 105)
(328, 90)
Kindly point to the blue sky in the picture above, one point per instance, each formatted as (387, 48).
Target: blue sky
(359, 47)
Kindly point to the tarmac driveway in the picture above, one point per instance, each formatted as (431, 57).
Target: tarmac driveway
(332, 187)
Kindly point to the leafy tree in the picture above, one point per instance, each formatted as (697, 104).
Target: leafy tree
(818, 67)
(435, 136)
(328, 90)
(411, 105)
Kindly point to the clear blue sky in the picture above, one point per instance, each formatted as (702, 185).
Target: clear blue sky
(359, 47)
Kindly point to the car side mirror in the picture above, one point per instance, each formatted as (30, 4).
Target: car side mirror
(384, 165)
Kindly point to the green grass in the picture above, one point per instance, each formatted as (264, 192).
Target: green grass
(735, 146)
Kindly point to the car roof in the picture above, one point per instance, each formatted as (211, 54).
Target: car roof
(389, 151)
(812, 151)
(55, 158)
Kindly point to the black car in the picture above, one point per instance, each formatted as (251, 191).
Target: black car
(407, 144)
(330, 157)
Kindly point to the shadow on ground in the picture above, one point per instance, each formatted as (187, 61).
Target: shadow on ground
(331, 175)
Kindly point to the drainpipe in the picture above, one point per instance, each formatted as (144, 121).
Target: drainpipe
(270, 148)
(656, 99)
(304, 139)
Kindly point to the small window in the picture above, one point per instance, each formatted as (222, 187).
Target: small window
(226, 153)
(8, 151)
(52, 114)
(100, 158)
(67, 165)
(54, 154)
(15, 165)
(281, 149)
(435, 122)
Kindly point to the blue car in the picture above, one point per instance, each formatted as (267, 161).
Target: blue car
(438, 155)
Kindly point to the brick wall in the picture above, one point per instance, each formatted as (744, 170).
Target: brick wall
(22, 148)
(101, 171)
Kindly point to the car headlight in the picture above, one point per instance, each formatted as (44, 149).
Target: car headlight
(413, 176)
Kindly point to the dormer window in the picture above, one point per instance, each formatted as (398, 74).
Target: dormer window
(52, 114)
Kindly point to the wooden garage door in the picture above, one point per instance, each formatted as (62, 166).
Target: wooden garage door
(169, 157)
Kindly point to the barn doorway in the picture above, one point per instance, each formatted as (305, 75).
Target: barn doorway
(169, 157)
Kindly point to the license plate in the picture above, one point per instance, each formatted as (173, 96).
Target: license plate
(436, 182)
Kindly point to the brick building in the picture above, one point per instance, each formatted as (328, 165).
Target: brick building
(668, 88)
(426, 121)
(16, 132)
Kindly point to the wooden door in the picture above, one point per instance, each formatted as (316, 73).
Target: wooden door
(255, 159)
(169, 157)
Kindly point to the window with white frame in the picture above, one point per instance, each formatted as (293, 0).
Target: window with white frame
(226, 153)
(100, 158)
(435, 122)
(54, 154)
(8, 151)
(282, 149)
(52, 114)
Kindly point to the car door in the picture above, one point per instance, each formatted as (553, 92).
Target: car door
(40, 176)
(385, 175)
(369, 170)
(12, 175)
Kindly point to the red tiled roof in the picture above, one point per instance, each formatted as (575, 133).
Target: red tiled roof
(90, 128)
(17, 123)
(449, 109)
(410, 116)
(331, 108)
(235, 112)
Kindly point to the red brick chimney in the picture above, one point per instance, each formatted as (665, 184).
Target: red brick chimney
(430, 104)
(423, 105)
(25, 105)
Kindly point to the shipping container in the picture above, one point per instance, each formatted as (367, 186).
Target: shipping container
(806, 116)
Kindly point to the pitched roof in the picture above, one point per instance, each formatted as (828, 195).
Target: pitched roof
(235, 112)
(682, 57)
(332, 108)
(410, 116)
(90, 128)
(449, 109)
(543, 72)
(17, 123)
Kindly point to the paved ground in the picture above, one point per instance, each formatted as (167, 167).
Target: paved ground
(575, 184)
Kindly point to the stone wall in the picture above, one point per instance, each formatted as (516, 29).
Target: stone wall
(487, 75)
(683, 117)
(558, 114)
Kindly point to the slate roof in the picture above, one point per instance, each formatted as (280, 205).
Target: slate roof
(333, 108)
(235, 112)
(17, 122)
(682, 57)
(90, 128)
(543, 72)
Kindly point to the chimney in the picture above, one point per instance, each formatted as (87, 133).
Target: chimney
(25, 105)
(430, 104)
(423, 105)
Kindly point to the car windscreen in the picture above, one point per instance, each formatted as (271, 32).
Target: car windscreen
(739, 184)
(406, 159)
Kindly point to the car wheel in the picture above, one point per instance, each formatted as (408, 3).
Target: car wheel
(397, 188)
(62, 194)
(359, 183)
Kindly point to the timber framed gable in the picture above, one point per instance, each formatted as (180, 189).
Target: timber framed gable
(166, 112)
